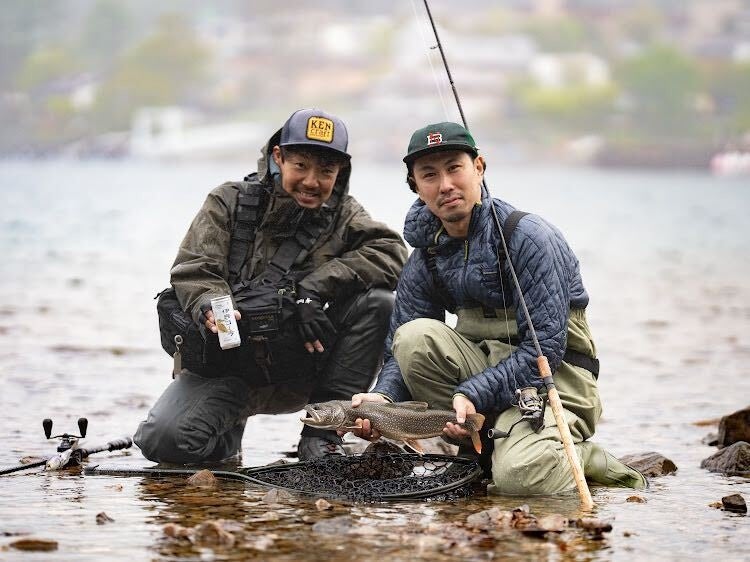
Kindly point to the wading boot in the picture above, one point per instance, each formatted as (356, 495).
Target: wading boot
(604, 468)
(322, 443)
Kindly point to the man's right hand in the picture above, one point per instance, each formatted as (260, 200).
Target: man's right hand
(210, 323)
(366, 431)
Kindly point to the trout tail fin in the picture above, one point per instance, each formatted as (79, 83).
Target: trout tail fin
(475, 421)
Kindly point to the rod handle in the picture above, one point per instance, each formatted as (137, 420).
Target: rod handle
(123, 443)
(587, 502)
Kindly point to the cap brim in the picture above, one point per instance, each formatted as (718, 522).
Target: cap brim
(409, 158)
(318, 144)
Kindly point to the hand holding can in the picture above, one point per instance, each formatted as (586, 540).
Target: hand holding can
(229, 333)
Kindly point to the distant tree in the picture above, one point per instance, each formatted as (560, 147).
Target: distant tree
(573, 109)
(24, 26)
(107, 30)
(558, 34)
(663, 85)
(44, 66)
(167, 68)
(729, 85)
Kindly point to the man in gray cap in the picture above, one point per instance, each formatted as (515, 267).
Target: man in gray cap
(311, 277)
(487, 363)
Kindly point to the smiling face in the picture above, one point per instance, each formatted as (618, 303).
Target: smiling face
(307, 176)
(450, 184)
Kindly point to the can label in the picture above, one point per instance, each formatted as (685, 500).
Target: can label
(226, 323)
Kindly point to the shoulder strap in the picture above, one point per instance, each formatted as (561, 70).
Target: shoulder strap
(250, 204)
(509, 226)
(445, 296)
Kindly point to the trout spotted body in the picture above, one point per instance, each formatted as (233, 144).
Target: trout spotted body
(401, 421)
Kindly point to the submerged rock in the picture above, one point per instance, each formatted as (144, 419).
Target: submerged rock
(735, 503)
(212, 533)
(340, 525)
(277, 495)
(734, 428)
(203, 479)
(102, 518)
(322, 505)
(651, 464)
(37, 545)
(732, 460)
(489, 519)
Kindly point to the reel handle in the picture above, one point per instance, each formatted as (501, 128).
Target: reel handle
(83, 425)
(47, 425)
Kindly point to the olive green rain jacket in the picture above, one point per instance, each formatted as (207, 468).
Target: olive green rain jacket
(355, 253)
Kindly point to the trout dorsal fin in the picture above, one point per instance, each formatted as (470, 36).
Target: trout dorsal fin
(409, 405)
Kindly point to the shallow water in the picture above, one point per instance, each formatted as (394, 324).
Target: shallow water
(86, 246)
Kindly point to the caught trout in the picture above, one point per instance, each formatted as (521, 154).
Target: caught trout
(401, 421)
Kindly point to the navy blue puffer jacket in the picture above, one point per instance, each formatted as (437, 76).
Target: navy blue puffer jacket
(548, 273)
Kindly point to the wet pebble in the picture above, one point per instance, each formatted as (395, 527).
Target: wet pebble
(636, 499)
(593, 525)
(36, 545)
(554, 523)
(277, 496)
(735, 503)
(212, 533)
(322, 505)
(489, 519)
(175, 531)
(102, 518)
(203, 479)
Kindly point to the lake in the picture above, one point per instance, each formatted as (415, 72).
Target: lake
(87, 245)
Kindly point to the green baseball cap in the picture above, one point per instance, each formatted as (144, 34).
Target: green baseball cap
(440, 136)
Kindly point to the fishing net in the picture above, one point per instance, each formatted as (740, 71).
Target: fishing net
(375, 477)
(357, 478)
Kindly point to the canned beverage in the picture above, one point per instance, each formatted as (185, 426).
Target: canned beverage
(226, 323)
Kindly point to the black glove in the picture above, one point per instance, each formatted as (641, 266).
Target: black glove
(314, 325)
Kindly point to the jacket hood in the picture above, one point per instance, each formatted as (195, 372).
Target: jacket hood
(421, 226)
(268, 172)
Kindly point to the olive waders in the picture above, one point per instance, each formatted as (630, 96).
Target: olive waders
(435, 358)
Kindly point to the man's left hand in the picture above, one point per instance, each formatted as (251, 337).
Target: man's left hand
(314, 324)
(463, 407)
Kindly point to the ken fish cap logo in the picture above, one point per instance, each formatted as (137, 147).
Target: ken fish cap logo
(440, 136)
(315, 127)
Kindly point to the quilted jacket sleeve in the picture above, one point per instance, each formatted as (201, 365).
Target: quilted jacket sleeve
(415, 298)
(539, 256)
(199, 272)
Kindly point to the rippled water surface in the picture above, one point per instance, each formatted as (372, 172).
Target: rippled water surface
(86, 246)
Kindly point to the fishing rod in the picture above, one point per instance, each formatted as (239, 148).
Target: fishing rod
(68, 451)
(545, 372)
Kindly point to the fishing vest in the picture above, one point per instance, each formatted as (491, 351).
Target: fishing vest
(271, 350)
(481, 322)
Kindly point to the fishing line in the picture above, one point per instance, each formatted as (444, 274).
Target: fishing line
(545, 371)
(427, 49)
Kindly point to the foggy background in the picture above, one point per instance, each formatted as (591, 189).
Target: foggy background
(655, 83)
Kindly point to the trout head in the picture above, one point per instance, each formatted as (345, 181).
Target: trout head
(326, 415)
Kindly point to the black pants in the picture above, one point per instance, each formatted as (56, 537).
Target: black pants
(198, 419)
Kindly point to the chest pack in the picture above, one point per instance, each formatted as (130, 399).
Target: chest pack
(571, 356)
(271, 350)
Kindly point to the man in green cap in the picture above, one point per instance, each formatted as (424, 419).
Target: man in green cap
(311, 279)
(487, 364)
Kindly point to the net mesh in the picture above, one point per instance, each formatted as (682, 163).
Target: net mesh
(375, 477)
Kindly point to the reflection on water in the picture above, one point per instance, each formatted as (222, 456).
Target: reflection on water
(86, 247)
